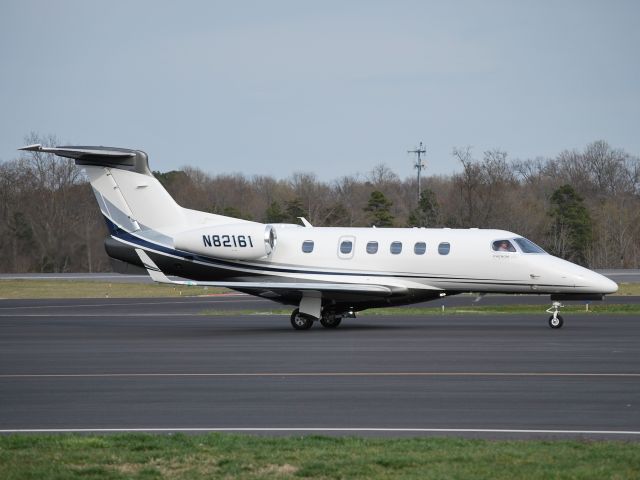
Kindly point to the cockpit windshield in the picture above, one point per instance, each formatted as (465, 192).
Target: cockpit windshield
(527, 246)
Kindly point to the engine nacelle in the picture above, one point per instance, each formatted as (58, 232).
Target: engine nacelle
(239, 241)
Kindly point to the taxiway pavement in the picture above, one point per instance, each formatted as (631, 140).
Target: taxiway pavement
(158, 364)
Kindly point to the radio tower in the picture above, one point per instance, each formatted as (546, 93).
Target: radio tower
(418, 165)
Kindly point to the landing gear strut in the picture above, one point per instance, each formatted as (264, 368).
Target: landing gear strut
(555, 320)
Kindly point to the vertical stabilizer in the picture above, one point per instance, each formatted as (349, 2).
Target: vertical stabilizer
(127, 192)
(134, 201)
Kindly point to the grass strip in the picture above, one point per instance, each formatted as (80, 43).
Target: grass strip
(179, 456)
(26, 289)
(628, 289)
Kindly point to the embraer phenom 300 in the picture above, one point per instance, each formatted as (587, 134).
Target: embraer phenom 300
(328, 273)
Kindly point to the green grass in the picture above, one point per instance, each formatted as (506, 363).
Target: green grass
(143, 456)
(628, 289)
(22, 289)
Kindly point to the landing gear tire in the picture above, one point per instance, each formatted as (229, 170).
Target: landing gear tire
(330, 321)
(556, 321)
(300, 321)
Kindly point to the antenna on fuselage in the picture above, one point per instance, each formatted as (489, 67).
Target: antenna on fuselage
(419, 165)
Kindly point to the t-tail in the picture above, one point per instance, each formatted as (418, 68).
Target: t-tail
(130, 197)
(139, 212)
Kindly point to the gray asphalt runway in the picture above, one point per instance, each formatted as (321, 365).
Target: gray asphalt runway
(156, 364)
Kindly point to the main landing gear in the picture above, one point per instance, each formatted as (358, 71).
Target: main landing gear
(329, 319)
(301, 321)
(555, 320)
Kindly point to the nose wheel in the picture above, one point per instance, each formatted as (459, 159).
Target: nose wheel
(555, 320)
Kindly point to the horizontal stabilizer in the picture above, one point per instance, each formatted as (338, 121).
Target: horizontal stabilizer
(82, 152)
(123, 158)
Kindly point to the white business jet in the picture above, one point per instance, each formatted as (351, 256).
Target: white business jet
(328, 273)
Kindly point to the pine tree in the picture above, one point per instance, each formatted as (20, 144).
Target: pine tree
(378, 207)
(572, 227)
(427, 212)
(274, 213)
(294, 210)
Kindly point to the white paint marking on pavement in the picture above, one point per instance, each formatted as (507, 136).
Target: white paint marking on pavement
(211, 300)
(325, 429)
(228, 313)
(324, 374)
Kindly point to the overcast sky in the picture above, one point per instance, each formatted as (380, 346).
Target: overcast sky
(273, 87)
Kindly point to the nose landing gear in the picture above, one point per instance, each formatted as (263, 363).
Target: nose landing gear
(555, 320)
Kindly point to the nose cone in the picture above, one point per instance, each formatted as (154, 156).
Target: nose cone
(573, 278)
(602, 284)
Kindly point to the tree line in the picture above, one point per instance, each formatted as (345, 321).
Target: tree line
(580, 205)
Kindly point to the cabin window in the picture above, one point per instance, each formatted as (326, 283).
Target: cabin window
(444, 248)
(419, 248)
(307, 246)
(346, 247)
(396, 248)
(372, 247)
(503, 246)
(527, 246)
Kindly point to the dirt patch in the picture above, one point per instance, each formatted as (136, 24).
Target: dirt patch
(273, 469)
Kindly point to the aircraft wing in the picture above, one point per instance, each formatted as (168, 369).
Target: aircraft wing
(158, 276)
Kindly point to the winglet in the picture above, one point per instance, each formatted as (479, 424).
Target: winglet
(154, 272)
